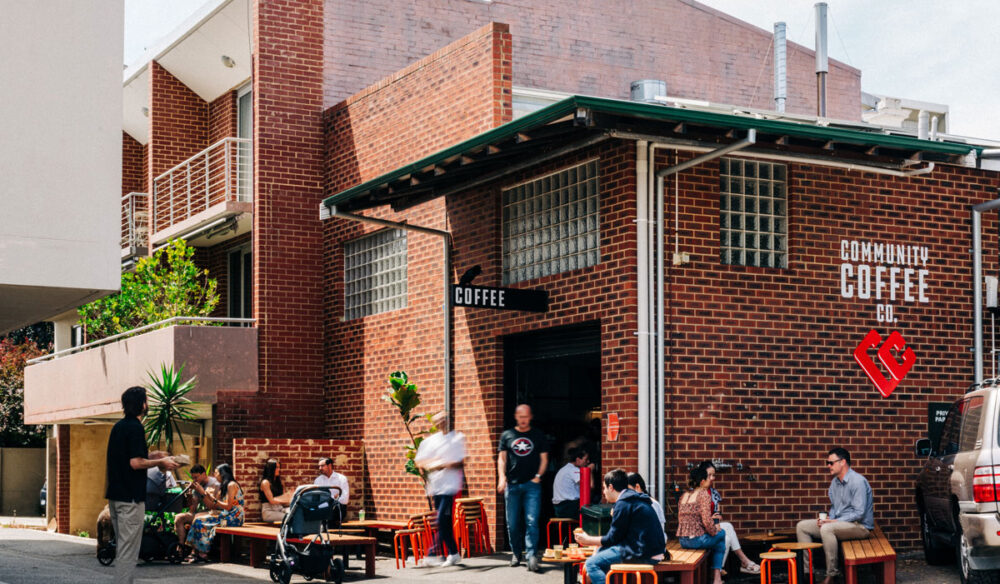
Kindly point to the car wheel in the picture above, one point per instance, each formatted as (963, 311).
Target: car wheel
(965, 571)
(935, 551)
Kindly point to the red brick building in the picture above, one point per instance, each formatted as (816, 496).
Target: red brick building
(425, 116)
(785, 241)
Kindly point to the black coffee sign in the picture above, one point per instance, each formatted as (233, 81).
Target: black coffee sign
(499, 298)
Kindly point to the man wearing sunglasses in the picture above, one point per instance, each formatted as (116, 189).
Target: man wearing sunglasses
(851, 513)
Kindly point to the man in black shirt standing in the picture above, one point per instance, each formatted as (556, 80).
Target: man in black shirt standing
(127, 461)
(522, 460)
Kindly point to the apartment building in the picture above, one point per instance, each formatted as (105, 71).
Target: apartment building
(253, 117)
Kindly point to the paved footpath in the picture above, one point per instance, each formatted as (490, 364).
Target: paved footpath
(31, 556)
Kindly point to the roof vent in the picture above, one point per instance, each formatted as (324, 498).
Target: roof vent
(648, 90)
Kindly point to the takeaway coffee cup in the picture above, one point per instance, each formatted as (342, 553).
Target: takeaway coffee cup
(557, 553)
(822, 516)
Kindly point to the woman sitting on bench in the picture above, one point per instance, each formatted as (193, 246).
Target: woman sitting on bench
(696, 529)
(229, 505)
(747, 566)
(274, 499)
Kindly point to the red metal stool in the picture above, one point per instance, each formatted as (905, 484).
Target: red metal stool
(640, 573)
(767, 558)
(805, 548)
(559, 522)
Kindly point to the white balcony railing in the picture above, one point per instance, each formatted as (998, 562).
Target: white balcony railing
(218, 174)
(135, 221)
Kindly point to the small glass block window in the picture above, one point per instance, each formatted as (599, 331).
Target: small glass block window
(753, 213)
(550, 224)
(375, 274)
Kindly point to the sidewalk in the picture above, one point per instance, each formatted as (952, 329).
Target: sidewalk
(29, 556)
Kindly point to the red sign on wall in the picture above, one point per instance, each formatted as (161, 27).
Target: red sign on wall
(897, 370)
(613, 427)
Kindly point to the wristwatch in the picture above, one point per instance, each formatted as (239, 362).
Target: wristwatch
(538, 476)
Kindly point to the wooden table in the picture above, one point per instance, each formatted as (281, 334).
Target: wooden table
(260, 535)
(373, 526)
(766, 537)
(569, 566)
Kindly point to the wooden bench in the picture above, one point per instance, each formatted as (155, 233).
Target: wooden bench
(690, 564)
(874, 549)
(259, 535)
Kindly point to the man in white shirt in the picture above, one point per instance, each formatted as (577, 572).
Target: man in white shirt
(329, 478)
(442, 456)
(566, 487)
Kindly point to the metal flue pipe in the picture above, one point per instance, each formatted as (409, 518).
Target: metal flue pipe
(822, 63)
(780, 66)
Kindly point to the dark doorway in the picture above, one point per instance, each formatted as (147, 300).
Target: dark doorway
(558, 373)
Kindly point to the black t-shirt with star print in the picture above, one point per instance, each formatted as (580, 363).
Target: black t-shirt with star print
(524, 451)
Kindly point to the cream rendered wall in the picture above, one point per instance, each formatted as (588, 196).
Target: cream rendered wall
(60, 155)
(87, 449)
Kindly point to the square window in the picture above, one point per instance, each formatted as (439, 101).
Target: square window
(753, 213)
(375, 278)
(562, 232)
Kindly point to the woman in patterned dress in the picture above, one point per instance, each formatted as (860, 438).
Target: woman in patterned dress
(229, 505)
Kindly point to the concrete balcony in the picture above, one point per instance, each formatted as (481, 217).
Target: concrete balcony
(86, 383)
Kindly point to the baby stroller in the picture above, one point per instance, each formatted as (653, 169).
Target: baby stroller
(312, 511)
(158, 543)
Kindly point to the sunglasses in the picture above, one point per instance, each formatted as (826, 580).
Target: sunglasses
(832, 462)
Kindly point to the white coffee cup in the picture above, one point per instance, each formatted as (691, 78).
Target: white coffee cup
(822, 516)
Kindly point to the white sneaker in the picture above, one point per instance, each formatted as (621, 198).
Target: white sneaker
(452, 560)
(430, 562)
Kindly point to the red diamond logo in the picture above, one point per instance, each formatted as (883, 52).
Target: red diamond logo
(897, 370)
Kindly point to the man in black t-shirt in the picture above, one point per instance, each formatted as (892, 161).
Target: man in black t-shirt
(521, 462)
(127, 461)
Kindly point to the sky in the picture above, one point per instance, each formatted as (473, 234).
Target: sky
(941, 51)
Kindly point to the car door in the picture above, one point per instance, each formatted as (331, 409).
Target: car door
(937, 471)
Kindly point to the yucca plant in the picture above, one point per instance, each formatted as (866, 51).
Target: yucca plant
(168, 405)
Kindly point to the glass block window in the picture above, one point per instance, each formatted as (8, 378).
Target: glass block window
(753, 216)
(375, 273)
(550, 224)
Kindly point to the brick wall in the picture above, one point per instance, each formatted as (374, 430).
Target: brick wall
(760, 366)
(287, 244)
(61, 489)
(222, 117)
(451, 95)
(298, 466)
(364, 351)
(133, 166)
(178, 127)
(587, 47)
(216, 260)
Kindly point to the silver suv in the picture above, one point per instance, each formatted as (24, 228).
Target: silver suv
(958, 489)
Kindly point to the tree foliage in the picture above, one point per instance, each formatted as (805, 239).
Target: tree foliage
(162, 286)
(13, 357)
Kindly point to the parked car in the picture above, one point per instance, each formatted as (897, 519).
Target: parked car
(42, 496)
(958, 489)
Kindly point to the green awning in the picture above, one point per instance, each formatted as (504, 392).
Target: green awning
(579, 121)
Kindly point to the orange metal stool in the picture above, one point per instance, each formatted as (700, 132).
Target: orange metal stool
(767, 558)
(640, 573)
(559, 523)
(805, 548)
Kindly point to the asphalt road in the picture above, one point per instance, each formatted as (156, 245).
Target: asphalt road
(30, 556)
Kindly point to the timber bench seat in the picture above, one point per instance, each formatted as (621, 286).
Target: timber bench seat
(259, 535)
(874, 549)
(690, 565)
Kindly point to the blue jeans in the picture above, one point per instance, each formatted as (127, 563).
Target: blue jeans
(716, 543)
(445, 537)
(524, 504)
(597, 565)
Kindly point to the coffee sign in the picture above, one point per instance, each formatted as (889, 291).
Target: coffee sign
(499, 298)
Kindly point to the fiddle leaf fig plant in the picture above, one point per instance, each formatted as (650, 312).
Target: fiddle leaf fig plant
(405, 396)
